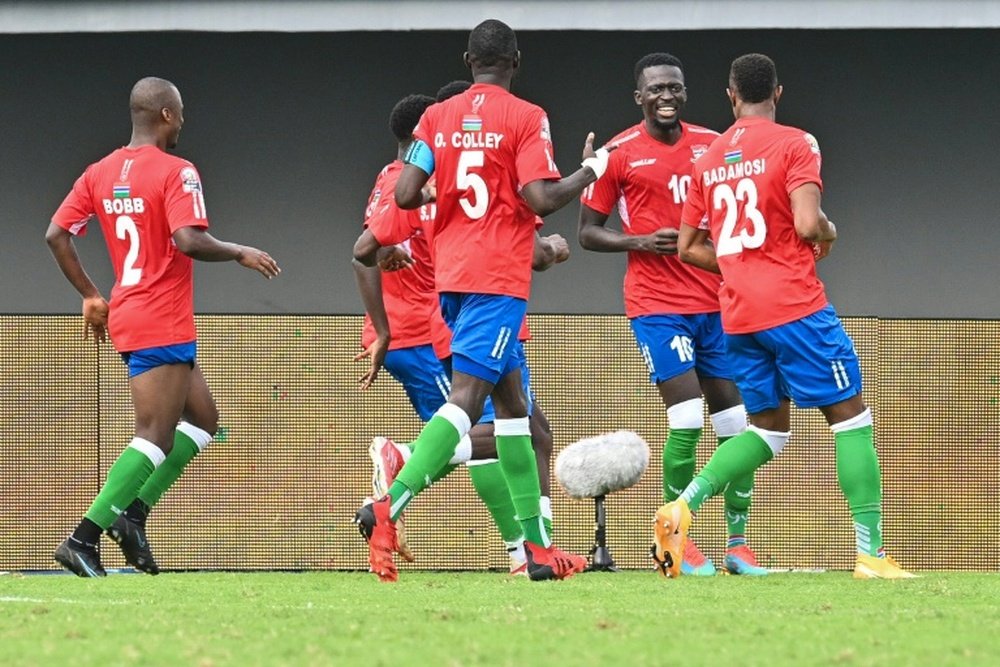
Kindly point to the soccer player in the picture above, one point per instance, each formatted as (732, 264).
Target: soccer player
(673, 308)
(759, 186)
(402, 312)
(482, 147)
(151, 208)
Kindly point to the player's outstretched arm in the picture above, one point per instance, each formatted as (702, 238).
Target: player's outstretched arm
(95, 308)
(693, 249)
(547, 196)
(549, 251)
(197, 243)
(369, 280)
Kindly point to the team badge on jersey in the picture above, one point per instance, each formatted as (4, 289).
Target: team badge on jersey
(472, 123)
(189, 180)
(736, 136)
(546, 133)
(697, 151)
(813, 144)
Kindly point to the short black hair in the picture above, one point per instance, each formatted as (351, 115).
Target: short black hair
(655, 60)
(451, 89)
(406, 114)
(492, 43)
(753, 77)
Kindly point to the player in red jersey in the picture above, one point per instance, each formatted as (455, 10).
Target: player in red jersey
(491, 154)
(756, 192)
(673, 308)
(151, 209)
(403, 317)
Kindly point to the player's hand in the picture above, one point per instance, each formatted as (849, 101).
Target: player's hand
(95, 318)
(429, 192)
(393, 258)
(559, 246)
(597, 160)
(822, 249)
(375, 353)
(258, 260)
(661, 242)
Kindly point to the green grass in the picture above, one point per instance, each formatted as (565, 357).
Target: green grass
(630, 618)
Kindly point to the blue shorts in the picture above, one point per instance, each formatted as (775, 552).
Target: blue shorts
(427, 380)
(811, 360)
(671, 345)
(484, 332)
(140, 361)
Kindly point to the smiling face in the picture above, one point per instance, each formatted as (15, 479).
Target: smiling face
(662, 96)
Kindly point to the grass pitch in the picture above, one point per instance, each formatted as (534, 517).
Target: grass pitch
(627, 618)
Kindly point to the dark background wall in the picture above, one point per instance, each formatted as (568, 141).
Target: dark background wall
(289, 131)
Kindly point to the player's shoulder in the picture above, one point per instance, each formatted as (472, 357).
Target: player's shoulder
(793, 137)
(626, 137)
(700, 133)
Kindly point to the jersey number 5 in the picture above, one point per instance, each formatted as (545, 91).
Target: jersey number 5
(751, 236)
(125, 228)
(465, 179)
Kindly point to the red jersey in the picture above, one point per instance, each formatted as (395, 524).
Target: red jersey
(141, 196)
(648, 180)
(411, 302)
(743, 183)
(486, 144)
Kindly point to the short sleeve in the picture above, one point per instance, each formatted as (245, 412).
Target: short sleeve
(803, 162)
(390, 224)
(534, 159)
(184, 199)
(77, 208)
(693, 214)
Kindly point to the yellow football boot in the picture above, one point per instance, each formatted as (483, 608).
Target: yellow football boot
(873, 567)
(670, 529)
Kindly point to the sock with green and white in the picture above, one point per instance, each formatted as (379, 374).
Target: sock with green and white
(737, 494)
(860, 479)
(517, 458)
(125, 477)
(432, 450)
(686, 420)
(735, 458)
(491, 486)
(545, 506)
(189, 441)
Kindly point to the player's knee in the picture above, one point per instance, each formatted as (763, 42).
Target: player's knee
(729, 422)
(775, 440)
(688, 414)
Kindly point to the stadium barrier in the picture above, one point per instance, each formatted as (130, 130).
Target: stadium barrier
(278, 487)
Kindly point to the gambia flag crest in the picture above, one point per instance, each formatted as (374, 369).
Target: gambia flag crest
(471, 123)
(120, 190)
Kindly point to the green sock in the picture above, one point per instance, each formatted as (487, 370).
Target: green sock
(431, 452)
(860, 480)
(678, 461)
(517, 459)
(439, 475)
(737, 497)
(126, 476)
(733, 459)
(545, 506)
(185, 448)
(491, 485)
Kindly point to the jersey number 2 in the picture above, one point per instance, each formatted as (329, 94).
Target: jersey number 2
(465, 179)
(125, 227)
(730, 242)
